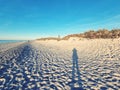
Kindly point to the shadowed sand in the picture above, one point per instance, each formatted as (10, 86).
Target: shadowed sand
(76, 79)
(61, 65)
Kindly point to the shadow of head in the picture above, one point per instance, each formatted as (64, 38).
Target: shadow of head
(74, 50)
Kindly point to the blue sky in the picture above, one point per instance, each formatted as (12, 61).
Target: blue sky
(31, 19)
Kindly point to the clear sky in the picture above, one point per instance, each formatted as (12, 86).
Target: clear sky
(31, 19)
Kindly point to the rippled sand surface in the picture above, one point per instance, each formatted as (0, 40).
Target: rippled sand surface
(61, 65)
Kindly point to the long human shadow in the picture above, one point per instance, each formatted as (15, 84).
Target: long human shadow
(76, 79)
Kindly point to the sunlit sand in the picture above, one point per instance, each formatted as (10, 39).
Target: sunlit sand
(75, 64)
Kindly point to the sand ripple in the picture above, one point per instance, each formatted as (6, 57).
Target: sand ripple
(52, 66)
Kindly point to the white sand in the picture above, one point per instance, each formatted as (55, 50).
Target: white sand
(61, 65)
(4, 47)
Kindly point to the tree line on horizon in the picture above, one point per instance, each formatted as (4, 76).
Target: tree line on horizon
(91, 34)
(101, 33)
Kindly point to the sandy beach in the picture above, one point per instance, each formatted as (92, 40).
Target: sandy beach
(72, 64)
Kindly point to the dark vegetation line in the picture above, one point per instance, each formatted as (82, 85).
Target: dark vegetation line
(91, 34)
